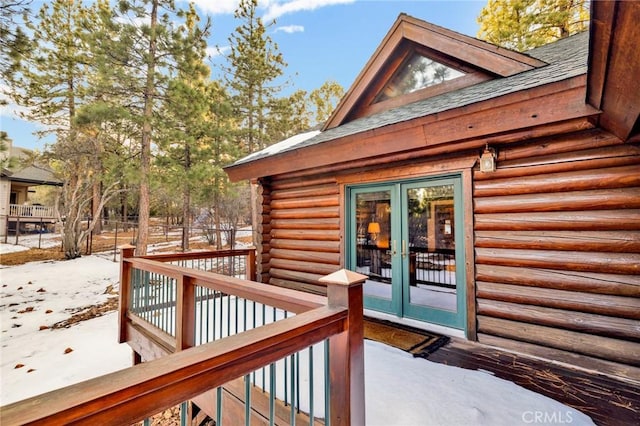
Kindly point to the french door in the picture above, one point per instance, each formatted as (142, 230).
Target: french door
(407, 238)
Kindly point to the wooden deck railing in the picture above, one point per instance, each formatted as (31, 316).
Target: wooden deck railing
(18, 210)
(188, 371)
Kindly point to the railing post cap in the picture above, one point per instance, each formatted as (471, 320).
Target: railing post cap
(127, 250)
(344, 277)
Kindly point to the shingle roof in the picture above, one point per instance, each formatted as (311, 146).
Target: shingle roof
(33, 174)
(566, 58)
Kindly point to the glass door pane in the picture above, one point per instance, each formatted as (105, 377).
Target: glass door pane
(373, 245)
(406, 237)
(430, 246)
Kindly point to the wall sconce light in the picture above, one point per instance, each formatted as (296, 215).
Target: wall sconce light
(374, 230)
(488, 160)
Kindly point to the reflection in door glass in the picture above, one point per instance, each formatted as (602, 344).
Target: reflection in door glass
(431, 233)
(373, 256)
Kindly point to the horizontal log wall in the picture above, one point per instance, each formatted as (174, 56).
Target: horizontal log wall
(301, 232)
(557, 246)
(263, 230)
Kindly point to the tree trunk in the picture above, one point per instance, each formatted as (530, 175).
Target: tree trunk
(124, 211)
(95, 205)
(70, 233)
(186, 204)
(145, 156)
(216, 220)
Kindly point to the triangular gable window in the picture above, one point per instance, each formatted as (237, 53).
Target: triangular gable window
(417, 72)
(418, 60)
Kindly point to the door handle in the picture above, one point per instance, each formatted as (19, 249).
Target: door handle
(404, 249)
(394, 247)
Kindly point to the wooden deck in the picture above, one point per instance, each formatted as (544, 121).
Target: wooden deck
(606, 400)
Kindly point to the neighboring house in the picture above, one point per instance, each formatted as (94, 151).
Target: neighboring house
(16, 210)
(488, 194)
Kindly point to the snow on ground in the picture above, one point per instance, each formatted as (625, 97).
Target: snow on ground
(37, 295)
(47, 366)
(400, 389)
(27, 241)
(403, 390)
(11, 248)
(42, 293)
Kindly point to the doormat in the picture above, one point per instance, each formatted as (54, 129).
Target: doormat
(419, 343)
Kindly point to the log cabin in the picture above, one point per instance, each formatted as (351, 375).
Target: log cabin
(488, 194)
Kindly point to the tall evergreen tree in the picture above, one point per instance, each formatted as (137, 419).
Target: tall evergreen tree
(222, 125)
(525, 24)
(6, 161)
(325, 98)
(254, 66)
(13, 40)
(183, 148)
(51, 80)
(288, 117)
(137, 65)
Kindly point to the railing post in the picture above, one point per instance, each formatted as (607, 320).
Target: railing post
(126, 252)
(185, 313)
(346, 350)
(251, 265)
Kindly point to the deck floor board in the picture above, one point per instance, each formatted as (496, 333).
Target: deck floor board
(606, 400)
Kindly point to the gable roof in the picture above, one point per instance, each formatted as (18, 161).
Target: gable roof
(36, 175)
(566, 58)
(407, 32)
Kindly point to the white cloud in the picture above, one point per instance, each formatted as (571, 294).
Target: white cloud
(278, 8)
(273, 8)
(290, 29)
(217, 7)
(214, 51)
(10, 109)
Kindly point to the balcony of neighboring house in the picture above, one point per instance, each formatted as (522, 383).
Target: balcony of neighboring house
(28, 219)
(27, 212)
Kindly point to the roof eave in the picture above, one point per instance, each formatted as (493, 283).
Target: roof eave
(557, 102)
(612, 84)
(34, 182)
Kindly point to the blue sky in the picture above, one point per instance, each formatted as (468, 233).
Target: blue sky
(320, 39)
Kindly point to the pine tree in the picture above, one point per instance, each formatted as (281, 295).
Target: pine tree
(137, 64)
(51, 80)
(325, 98)
(525, 24)
(254, 66)
(6, 161)
(222, 127)
(288, 116)
(184, 152)
(13, 41)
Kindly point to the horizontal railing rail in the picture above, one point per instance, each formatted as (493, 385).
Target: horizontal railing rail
(133, 394)
(430, 267)
(239, 263)
(433, 266)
